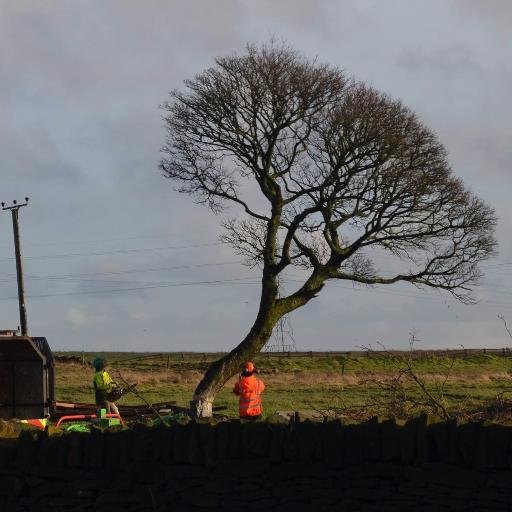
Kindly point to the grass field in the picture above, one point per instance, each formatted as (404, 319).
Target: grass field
(357, 386)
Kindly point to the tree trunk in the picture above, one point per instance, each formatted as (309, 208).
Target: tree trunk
(222, 370)
(201, 407)
(271, 310)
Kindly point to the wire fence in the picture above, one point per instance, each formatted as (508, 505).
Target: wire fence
(171, 358)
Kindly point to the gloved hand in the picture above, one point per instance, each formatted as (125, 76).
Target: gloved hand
(115, 393)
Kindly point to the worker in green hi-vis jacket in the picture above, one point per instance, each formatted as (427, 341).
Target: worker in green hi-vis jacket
(103, 386)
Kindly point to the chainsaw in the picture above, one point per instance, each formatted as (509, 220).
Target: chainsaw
(117, 392)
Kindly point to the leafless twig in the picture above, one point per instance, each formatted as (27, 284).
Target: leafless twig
(137, 394)
(395, 397)
(502, 318)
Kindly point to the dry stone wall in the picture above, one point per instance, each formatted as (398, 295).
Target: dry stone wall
(234, 466)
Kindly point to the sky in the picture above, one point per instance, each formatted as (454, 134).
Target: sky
(115, 259)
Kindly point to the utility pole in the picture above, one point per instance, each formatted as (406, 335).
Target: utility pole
(19, 268)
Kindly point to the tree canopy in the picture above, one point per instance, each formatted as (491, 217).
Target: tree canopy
(343, 174)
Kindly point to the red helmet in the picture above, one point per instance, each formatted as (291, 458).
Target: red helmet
(249, 367)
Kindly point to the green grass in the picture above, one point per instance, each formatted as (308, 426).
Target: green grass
(376, 363)
(302, 384)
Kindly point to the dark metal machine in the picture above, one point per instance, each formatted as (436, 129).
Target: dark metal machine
(27, 377)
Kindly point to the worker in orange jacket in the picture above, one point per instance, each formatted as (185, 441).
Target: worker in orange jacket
(249, 389)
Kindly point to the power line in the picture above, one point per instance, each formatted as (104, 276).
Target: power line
(158, 285)
(150, 285)
(119, 272)
(103, 240)
(376, 257)
(119, 251)
(152, 249)
(380, 256)
(236, 280)
(78, 276)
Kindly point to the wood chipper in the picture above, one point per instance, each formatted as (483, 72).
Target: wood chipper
(27, 378)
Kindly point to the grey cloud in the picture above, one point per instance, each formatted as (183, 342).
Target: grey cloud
(495, 16)
(448, 63)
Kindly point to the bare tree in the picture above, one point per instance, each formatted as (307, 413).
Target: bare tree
(343, 174)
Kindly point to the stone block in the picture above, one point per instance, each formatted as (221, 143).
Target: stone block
(468, 438)
(232, 504)
(500, 480)
(74, 454)
(194, 447)
(278, 434)
(261, 505)
(290, 447)
(453, 476)
(26, 450)
(353, 442)
(499, 444)
(185, 472)
(11, 486)
(93, 449)
(203, 500)
(177, 507)
(83, 487)
(285, 471)
(161, 439)
(491, 496)
(372, 441)
(325, 496)
(141, 447)
(244, 469)
(380, 471)
(117, 447)
(206, 436)
(109, 497)
(235, 439)
(409, 441)
(307, 437)
(370, 492)
(481, 448)
(46, 451)
(52, 473)
(148, 474)
(256, 440)
(8, 449)
(422, 440)
(180, 443)
(221, 484)
(443, 437)
(222, 440)
(333, 452)
(316, 471)
(391, 446)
